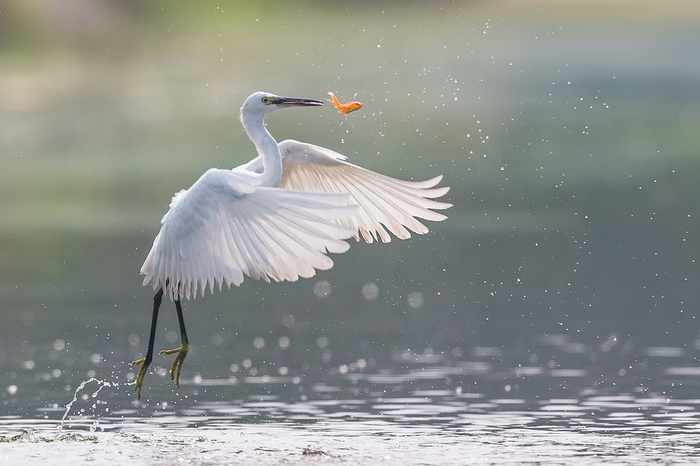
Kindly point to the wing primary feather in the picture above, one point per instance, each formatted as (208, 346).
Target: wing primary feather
(336, 184)
(252, 250)
(227, 225)
(231, 254)
(241, 243)
(311, 230)
(385, 202)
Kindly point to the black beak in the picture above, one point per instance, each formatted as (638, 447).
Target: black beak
(292, 102)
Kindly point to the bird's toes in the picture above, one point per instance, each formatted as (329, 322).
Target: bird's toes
(138, 362)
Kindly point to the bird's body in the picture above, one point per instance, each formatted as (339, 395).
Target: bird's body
(274, 218)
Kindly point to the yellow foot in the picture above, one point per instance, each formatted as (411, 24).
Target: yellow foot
(142, 373)
(177, 363)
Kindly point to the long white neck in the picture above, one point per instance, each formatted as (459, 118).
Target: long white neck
(267, 148)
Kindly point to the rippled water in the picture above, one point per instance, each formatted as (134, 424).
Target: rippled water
(406, 409)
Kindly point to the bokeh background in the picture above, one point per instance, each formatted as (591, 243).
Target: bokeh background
(568, 132)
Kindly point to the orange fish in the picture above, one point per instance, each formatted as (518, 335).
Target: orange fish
(346, 107)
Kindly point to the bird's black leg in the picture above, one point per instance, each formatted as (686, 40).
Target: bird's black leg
(145, 362)
(181, 319)
(182, 350)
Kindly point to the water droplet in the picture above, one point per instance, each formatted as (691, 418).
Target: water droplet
(370, 291)
(283, 342)
(416, 299)
(322, 289)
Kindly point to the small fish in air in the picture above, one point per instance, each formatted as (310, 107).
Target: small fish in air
(346, 107)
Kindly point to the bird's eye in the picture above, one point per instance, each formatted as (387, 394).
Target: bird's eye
(266, 100)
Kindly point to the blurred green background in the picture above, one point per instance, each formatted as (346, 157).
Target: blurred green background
(568, 132)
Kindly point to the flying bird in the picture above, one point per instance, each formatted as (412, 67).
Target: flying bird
(274, 218)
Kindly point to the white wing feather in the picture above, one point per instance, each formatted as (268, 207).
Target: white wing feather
(384, 202)
(227, 226)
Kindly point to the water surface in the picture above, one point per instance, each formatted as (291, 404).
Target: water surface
(550, 320)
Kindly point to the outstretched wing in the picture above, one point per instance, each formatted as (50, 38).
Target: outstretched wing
(384, 202)
(226, 226)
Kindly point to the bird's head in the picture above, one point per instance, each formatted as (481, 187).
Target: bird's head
(263, 103)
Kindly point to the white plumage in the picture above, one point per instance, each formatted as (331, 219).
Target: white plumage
(274, 218)
(384, 202)
(226, 225)
(277, 216)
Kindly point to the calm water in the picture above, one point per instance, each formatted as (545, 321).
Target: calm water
(550, 320)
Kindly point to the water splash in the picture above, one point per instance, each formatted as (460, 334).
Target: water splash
(29, 437)
(101, 384)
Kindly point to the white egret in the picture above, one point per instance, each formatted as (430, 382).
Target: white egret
(274, 218)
